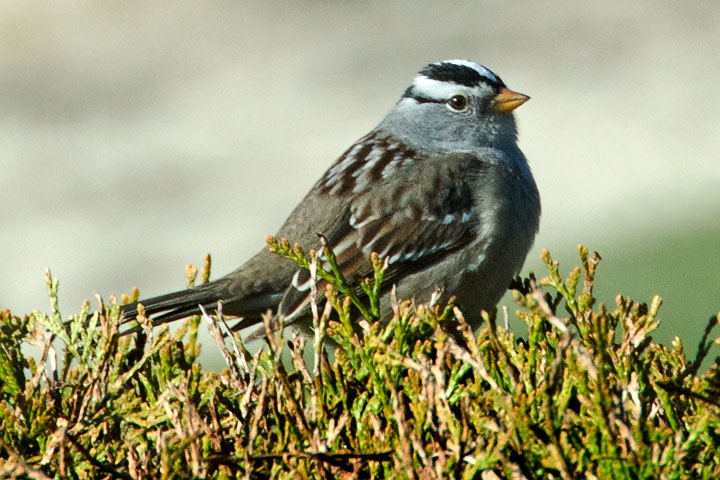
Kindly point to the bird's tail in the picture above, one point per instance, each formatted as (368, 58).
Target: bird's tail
(173, 306)
(250, 305)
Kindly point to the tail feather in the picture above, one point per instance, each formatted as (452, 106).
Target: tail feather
(172, 306)
(181, 301)
(177, 305)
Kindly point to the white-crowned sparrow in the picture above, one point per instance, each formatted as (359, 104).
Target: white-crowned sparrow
(439, 187)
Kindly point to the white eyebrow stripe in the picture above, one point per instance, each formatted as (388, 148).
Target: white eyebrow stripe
(437, 90)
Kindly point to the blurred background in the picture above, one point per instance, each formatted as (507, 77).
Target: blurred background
(137, 136)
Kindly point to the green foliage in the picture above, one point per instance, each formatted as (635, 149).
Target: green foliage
(585, 394)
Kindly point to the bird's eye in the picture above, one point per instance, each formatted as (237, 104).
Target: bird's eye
(458, 102)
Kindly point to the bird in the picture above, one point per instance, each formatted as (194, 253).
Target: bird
(439, 189)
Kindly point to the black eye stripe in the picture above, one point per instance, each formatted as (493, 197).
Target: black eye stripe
(428, 100)
(423, 99)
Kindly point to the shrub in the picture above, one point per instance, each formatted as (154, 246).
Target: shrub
(585, 393)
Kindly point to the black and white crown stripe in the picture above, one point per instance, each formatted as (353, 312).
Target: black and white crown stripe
(440, 81)
(462, 72)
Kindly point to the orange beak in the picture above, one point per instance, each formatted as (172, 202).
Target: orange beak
(507, 100)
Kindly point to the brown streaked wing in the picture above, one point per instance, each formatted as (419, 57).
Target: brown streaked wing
(430, 214)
